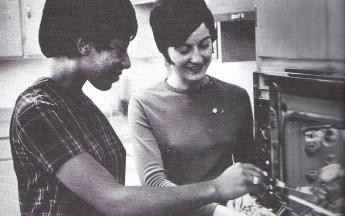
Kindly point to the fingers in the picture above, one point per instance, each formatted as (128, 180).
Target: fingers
(252, 167)
(256, 180)
(253, 177)
(252, 174)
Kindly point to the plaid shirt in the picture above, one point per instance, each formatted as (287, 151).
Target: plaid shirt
(50, 125)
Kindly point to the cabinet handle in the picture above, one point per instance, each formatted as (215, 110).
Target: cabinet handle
(28, 12)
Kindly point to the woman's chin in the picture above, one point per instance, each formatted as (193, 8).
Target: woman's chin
(196, 77)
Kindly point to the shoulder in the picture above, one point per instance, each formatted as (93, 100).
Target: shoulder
(228, 88)
(32, 103)
(149, 94)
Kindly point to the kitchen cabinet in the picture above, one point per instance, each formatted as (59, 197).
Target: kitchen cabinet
(31, 18)
(225, 10)
(294, 29)
(236, 41)
(11, 32)
(19, 28)
(236, 29)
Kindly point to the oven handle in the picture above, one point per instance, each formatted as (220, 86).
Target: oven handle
(327, 121)
(280, 124)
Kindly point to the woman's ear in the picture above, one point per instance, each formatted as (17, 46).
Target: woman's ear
(84, 46)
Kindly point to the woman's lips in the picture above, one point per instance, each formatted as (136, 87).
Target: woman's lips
(195, 69)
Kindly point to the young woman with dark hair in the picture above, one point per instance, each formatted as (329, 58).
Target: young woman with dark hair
(189, 127)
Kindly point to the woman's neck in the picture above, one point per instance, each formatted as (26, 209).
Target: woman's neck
(179, 83)
(67, 73)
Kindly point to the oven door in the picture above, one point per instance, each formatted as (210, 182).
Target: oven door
(300, 121)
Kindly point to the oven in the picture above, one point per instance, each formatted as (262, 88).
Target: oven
(300, 125)
(299, 104)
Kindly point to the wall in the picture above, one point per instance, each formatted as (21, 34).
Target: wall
(238, 73)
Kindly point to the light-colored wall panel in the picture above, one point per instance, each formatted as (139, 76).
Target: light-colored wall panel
(143, 46)
(294, 29)
(31, 14)
(10, 29)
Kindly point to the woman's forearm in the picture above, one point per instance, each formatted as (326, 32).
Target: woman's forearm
(142, 201)
(159, 179)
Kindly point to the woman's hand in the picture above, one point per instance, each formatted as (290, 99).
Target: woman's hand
(225, 211)
(238, 180)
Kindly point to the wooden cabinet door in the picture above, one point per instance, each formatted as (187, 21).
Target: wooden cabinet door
(10, 25)
(31, 17)
(295, 29)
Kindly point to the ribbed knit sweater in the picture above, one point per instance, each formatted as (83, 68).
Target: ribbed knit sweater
(183, 137)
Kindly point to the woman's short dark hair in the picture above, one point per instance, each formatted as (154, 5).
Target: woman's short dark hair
(64, 21)
(173, 21)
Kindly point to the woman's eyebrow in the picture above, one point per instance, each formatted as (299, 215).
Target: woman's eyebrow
(202, 40)
(205, 38)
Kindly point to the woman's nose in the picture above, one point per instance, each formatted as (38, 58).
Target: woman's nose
(126, 62)
(196, 56)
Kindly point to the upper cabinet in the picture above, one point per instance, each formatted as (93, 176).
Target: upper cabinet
(294, 29)
(232, 10)
(19, 28)
(236, 29)
(10, 29)
(31, 16)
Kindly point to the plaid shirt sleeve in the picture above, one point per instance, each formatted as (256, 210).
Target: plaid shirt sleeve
(50, 134)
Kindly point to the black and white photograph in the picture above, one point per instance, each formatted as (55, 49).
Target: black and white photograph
(172, 108)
